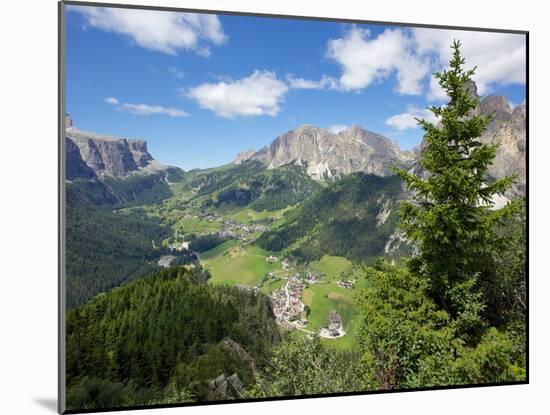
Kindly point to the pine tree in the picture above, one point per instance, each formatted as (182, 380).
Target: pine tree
(450, 218)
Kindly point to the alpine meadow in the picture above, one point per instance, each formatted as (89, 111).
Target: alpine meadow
(293, 252)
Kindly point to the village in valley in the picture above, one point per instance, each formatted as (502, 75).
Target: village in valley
(288, 307)
(284, 282)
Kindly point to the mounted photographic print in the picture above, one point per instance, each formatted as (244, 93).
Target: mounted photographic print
(257, 207)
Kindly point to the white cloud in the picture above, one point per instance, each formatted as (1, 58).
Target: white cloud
(337, 128)
(111, 101)
(408, 120)
(365, 60)
(500, 57)
(413, 54)
(144, 109)
(176, 72)
(301, 83)
(204, 51)
(435, 92)
(258, 94)
(161, 31)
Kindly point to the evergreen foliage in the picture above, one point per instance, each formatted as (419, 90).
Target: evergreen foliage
(158, 337)
(451, 217)
(264, 189)
(204, 243)
(456, 314)
(105, 249)
(409, 341)
(303, 366)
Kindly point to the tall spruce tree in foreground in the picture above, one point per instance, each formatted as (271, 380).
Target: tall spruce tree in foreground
(450, 218)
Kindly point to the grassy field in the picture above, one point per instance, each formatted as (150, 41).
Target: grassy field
(332, 266)
(219, 250)
(233, 264)
(197, 225)
(271, 286)
(322, 298)
(247, 215)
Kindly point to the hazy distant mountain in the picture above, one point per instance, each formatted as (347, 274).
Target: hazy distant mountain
(326, 155)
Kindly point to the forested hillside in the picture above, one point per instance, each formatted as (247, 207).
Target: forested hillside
(353, 217)
(165, 337)
(105, 249)
(252, 184)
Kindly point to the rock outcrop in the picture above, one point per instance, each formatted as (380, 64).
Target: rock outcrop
(106, 155)
(244, 156)
(104, 170)
(508, 129)
(76, 167)
(68, 121)
(236, 351)
(226, 387)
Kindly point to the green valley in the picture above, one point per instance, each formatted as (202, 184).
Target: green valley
(327, 259)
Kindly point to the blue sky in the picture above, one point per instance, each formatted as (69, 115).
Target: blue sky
(201, 88)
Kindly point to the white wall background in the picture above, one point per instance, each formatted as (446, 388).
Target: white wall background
(28, 228)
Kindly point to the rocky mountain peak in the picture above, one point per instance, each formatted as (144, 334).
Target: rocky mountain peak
(508, 130)
(353, 129)
(497, 106)
(307, 128)
(244, 156)
(326, 155)
(472, 89)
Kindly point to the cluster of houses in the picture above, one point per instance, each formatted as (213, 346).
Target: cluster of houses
(335, 327)
(233, 229)
(285, 262)
(228, 233)
(239, 231)
(312, 278)
(231, 223)
(346, 284)
(179, 246)
(287, 304)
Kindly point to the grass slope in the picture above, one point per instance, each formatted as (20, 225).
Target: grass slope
(332, 266)
(232, 264)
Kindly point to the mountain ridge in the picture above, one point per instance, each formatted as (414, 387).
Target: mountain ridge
(109, 155)
(108, 170)
(327, 155)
